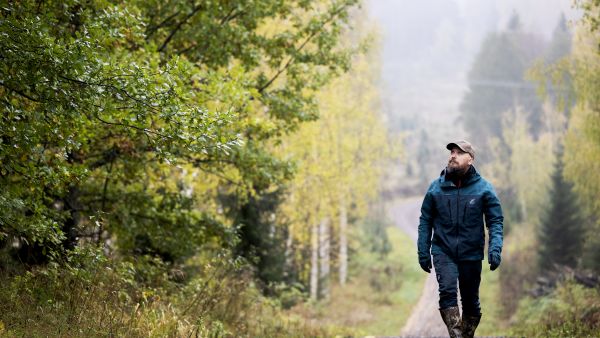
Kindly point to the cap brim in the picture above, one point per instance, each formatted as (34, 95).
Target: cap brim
(451, 145)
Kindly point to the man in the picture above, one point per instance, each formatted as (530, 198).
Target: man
(453, 211)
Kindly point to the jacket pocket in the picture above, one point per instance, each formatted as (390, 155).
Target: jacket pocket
(473, 211)
(443, 209)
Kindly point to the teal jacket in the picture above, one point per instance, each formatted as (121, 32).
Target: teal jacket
(454, 216)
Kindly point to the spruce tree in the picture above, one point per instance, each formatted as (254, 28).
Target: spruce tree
(560, 44)
(562, 229)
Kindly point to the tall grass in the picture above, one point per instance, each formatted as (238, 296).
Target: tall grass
(92, 296)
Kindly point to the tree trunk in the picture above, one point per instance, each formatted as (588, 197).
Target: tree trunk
(314, 263)
(289, 249)
(289, 255)
(324, 257)
(343, 242)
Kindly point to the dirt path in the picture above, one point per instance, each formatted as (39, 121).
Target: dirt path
(425, 319)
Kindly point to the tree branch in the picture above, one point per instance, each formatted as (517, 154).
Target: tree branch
(152, 29)
(226, 19)
(219, 175)
(308, 39)
(144, 130)
(230, 16)
(178, 27)
(22, 93)
(113, 88)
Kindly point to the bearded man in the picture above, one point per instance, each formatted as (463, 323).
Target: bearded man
(451, 230)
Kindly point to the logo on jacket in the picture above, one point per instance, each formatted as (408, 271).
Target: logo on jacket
(472, 201)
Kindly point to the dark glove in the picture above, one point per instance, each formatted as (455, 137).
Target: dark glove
(425, 264)
(494, 258)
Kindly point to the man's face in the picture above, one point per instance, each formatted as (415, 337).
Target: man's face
(459, 160)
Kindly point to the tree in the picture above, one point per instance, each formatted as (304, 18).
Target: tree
(563, 228)
(340, 161)
(103, 101)
(497, 85)
(501, 102)
(560, 45)
(261, 240)
(580, 97)
(522, 172)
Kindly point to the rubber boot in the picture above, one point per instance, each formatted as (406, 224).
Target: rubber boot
(451, 317)
(469, 325)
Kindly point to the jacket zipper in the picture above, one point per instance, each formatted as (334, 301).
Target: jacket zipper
(457, 213)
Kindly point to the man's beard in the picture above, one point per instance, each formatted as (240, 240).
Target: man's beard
(456, 170)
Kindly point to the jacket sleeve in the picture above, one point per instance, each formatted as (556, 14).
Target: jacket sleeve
(493, 220)
(425, 227)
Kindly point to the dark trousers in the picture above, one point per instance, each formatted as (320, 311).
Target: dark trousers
(468, 275)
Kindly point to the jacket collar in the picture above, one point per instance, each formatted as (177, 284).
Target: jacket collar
(471, 177)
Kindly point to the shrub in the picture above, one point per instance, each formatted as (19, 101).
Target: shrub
(571, 310)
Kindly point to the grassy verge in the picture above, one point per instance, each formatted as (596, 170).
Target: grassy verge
(502, 289)
(380, 295)
(491, 323)
(93, 296)
(571, 310)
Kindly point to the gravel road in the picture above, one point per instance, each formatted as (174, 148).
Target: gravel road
(425, 320)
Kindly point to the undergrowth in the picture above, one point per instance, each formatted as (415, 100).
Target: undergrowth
(571, 310)
(90, 295)
(380, 294)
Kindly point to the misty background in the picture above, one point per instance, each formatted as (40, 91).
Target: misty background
(427, 50)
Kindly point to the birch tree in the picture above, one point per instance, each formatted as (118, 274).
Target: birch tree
(339, 165)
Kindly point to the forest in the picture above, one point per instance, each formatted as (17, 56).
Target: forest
(227, 169)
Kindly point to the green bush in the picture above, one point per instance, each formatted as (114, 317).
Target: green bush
(571, 310)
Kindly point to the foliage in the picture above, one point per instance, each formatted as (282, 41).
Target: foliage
(168, 133)
(80, 112)
(582, 145)
(591, 14)
(374, 235)
(519, 269)
(340, 161)
(493, 298)
(568, 86)
(380, 294)
(515, 132)
(563, 227)
(590, 258)
(521, 156)
(259, 242)
(101, 100)
(92, 296)
(520, 169)
(570, 311)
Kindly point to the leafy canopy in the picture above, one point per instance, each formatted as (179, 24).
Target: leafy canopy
(102, 100)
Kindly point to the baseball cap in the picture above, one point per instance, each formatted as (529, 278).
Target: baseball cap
(462, 145)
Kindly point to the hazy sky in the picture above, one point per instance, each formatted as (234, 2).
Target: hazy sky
(429, 45)
(442, 36)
